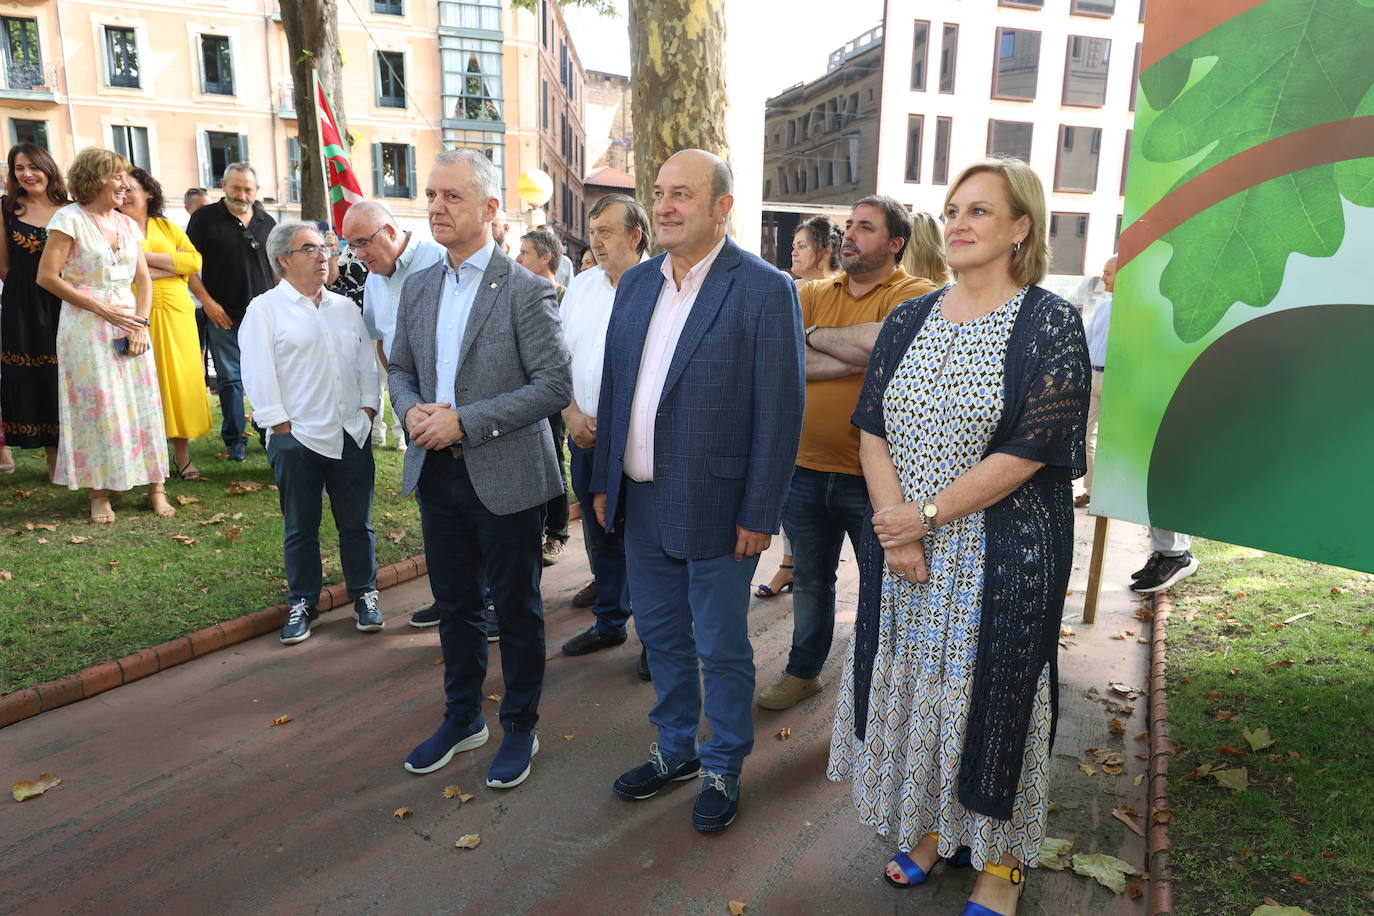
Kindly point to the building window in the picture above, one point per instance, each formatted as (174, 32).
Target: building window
(1080, 149)
(293, 170)
(216, 65)
(220, 149)
(940, 167)
(23, 59)
(393, 170)
(121, 56)
(490, 144)
(1085, 71)
(391, 79)
(25, 131)
(1125, 163)
(1135, 76)
(1068, 241)
(479, 15)
(949, 57)
(1103, 8)
(388, 7)
(914, 123)
(1010, 138)
(472, 78)
(1142, 10)
(544, 104)
(1017, 64)
(1031, 4)
(544, 22)
(131, 143)
(920, 47)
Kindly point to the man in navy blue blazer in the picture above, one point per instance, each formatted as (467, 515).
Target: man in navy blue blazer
(699, 418)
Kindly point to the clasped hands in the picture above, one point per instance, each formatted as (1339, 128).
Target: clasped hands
(433, 426)
(899, 529)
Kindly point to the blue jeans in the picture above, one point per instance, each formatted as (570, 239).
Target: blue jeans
(693, 618)
(224, 347)
(607, 551)
(821, 508)
(466, 543)
(348, 480)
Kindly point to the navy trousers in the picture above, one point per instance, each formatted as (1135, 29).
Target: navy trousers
(693, 618)
(301, 473)
(606, 551)
(464, 543)
(224, 347)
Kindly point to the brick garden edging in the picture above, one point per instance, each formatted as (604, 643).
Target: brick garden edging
(22, 704)
(1161, 898)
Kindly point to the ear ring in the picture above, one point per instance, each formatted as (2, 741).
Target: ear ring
(1016, 248)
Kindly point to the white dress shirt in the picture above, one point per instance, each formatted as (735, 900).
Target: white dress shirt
(455, 305)
(315, 367)
(1098, 327)
(660, 343)
(586, 314)
(382, 295)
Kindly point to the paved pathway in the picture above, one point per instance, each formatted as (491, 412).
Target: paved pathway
(179, 797)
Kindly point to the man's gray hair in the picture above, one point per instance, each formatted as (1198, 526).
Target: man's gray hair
(374, 210)
(486, 179)
(722, 180)
(280, 238)
(545, 244)
(634, 216)
(238, 167)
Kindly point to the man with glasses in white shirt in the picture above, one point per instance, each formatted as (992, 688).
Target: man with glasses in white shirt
(310, 370)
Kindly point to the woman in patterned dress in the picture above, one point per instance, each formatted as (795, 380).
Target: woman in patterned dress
(34, 191)
(972, 422)
(109, 407)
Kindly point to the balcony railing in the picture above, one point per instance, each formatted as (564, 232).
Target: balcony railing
(30, 80)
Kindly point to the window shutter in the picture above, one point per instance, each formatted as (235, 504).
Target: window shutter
(203, 159)
(200, 59)
(410, 172)
(243, 148)
(377, 188)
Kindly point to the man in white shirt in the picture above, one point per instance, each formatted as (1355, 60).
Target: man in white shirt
(390, 254)
(310, 371)
(1098, 326)
(620, 236)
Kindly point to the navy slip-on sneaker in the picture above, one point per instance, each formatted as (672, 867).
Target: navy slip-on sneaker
(511, 765)
(717, 804)
(426, 617)
(439, 748)
(645, 780)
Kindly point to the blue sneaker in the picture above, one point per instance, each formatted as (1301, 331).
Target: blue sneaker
(368, 613)
(717, 804)
(645, 780)
(493, 625)
(440, 747)
(302, 618)
(426, 617)
(511, 765)
(236, 451)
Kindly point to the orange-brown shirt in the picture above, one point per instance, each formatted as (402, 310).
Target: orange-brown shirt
(829, 442)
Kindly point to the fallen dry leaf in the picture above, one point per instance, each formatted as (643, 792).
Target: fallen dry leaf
(1281, 663)
(1212, 695)
(1052, 852)
(468, 841)
(1300, 879)
(1116, 728)
(1276, 909)
(1121, 815)
(736, 908)
(46, 526)
(1134, 891)
(1258, 739)
(465, 798)
(183, 539)
(494, 697)
(1112, 769)
(32, 788)
(452, 791)
(402, 813)
(281, 720)
(1124, 690)
(234, 532)
(242, 487)
(1109, 871)
(1087, 769)
(784, 734)
(569, 737)
(1297, 617)
(42, 540)
(187, 500)
(1065, 630)
(215, 519)
(1236, 779)
(1229, 751)
(1225, 715)
(437, 661)
(1102, 755)
(1143, 736)
(77, 539)
(6, 575)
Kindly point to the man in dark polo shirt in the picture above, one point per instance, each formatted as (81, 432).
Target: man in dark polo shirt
(231, 236)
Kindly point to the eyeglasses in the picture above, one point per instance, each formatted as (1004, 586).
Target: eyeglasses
(311, 251)
(250, 239)
(363, 243)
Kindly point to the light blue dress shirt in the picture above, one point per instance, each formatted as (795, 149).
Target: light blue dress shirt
(460, 291)
(1097, 333)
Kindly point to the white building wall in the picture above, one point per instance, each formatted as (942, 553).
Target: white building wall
(971, 106)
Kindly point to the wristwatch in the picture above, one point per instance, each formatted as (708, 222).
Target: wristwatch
(806, 334)
(929, 511)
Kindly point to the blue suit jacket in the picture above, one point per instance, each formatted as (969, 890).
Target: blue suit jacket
(726, 434)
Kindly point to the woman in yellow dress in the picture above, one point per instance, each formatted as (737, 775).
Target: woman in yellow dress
(176, 347)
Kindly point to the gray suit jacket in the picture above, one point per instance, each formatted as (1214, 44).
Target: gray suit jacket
(512, 375)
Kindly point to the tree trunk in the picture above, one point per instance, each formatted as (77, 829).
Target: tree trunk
(677, 78)
(312, 40)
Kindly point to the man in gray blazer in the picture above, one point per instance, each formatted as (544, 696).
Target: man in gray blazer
(477, 365)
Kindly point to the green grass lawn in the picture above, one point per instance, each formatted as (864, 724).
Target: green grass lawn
(80, 594)
(1302, 832)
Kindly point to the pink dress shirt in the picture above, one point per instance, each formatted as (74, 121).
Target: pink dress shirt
(660, 343)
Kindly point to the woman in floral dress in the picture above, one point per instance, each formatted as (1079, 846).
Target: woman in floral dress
(109, 406)
(34, 191)
(972, 422)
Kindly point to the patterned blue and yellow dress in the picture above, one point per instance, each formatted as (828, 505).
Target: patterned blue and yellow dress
(941, 407)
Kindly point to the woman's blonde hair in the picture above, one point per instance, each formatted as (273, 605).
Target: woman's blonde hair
(925, 253)
(89, 171)
(1031, 261)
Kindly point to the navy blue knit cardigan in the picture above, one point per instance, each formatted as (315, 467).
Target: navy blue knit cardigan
(1029, 536)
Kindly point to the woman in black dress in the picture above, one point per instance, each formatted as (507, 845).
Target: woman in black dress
(34, 191)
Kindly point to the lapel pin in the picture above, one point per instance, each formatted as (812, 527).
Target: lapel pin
(493, 284)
